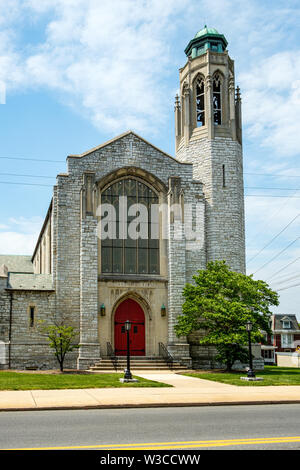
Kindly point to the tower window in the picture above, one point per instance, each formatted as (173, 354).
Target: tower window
(200, 106)
(31, 316)
(217, 100)
(223, 176)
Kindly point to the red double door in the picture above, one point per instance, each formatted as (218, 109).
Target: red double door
(132, 311)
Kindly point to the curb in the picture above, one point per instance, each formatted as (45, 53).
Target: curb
(153, 405)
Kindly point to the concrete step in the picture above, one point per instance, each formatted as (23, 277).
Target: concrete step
(136, 363)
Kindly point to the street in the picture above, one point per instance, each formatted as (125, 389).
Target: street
(216, 427)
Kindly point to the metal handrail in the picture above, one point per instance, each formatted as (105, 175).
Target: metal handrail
(111, 354)
(164, 353)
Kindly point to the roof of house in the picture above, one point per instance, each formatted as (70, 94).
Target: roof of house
(39, 282)
(17, 263)
(279, 318)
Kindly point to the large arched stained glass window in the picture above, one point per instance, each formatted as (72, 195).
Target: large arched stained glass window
(123, 253)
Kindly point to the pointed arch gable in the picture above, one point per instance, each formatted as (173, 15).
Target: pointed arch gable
(124, 172)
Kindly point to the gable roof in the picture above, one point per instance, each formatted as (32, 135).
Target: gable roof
(121, 136)
(17, 263)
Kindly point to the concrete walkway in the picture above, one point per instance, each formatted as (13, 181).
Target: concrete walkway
(186, 391)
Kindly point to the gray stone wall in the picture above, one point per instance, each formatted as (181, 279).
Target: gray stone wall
(224, 205)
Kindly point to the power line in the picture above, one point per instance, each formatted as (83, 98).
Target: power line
(277, 189)
(274, 238)
(33, 160)
(285, 280)
(272, 195)
(276, 256)
(286, 266)
(26, 184)
(274, 175)
(289, 287)
(29, 176)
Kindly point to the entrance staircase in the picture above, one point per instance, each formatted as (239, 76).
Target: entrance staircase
(112, 363)
(119, 364)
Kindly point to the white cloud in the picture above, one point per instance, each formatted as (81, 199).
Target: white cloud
(19, 236)
(272, 102)
(106, 59)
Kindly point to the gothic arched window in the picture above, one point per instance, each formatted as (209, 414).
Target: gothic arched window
(200, 102)
(133, 246)
(217, 100)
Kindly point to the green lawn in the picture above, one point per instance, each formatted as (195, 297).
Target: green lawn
(272, 375)
(29, 381)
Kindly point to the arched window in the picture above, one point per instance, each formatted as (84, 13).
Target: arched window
(133, 246)
(217, 100)
(200, 102)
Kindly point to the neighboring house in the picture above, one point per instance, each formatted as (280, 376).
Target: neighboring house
(96, 280)
(285, 337)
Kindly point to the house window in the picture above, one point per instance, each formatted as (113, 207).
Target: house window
(31, 316)
(286, 341)
(286, 324)
(200, 103)
(122, 253)
(217, 100)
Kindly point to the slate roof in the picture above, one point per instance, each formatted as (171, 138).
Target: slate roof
(39, 282)
(277, 322)
(17, 263)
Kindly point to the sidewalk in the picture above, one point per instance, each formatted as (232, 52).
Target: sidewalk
(186, 391)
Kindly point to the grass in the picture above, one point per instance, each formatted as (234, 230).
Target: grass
(43, 381)
(272, 375)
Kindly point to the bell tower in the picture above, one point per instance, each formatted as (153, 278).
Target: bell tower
(208, 133)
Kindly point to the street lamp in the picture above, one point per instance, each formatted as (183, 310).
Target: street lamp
(249, 329)
(128, 375)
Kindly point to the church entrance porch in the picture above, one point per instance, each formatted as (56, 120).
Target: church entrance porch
(130, 310)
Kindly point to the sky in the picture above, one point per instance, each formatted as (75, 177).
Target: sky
(75, 73)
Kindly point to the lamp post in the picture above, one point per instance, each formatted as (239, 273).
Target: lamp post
(128, 375)
(249, 329)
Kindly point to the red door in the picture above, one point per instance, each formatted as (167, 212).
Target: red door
(132, 311)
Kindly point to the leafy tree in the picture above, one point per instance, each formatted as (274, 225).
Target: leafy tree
(61, 339)
(220, 303)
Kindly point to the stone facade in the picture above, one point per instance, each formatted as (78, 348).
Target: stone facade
(201, 188)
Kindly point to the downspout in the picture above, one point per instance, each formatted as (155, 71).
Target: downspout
(10, 329)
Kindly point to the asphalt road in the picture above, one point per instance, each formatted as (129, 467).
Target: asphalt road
(247, 427)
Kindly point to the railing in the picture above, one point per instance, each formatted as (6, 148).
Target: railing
(112, 356)
(164, 353)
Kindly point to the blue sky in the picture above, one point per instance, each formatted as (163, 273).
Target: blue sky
(79, 72)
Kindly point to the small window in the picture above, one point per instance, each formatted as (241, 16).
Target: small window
(286, 324)
(200, 102)
(217, 112)
(224, 176)
(135, 329)
(31, 316)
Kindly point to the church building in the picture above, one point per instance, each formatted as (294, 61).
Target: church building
(129, 225)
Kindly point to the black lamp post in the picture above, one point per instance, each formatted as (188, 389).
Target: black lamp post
(250, 371)
(128, 375)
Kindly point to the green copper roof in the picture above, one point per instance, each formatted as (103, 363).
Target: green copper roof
(206, 38)
(205, 31)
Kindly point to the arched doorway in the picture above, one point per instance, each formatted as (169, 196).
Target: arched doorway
(130, 310)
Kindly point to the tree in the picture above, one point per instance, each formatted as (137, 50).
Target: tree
(220, 303)
(61, 339)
